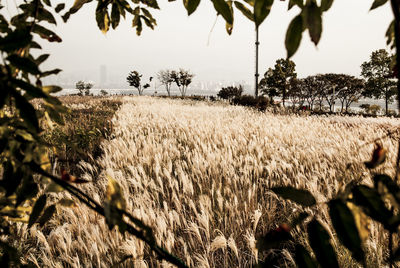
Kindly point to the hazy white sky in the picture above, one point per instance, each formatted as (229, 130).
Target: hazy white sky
(350, 34)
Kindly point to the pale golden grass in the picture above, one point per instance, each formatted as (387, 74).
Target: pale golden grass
(199, 175)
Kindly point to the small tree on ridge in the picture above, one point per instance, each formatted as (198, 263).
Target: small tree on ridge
(165, 78)
(134, 80)
(182, 78)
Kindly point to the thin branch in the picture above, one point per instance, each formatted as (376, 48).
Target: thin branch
(92, 204)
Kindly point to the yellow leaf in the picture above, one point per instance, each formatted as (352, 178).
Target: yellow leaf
(362, 221)
(106, 23)
(23, 219)
(114, 194)
(67, 202)
(54, 188)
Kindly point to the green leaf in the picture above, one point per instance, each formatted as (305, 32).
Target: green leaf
(293, 3)
(326, 5)
(300, 196)
(27, 112)
(261, 10)
(303, 258)
(4, 27)
(191, 5)
(37, 210)
(47, 214)
(47, 73)
(391, 186)
(42, 58)
(147, 14)
(371, 202)
(346, 228)
(293, 35)
(11, 178)
(20, 38)
(47, 2)
(378, 3)
(51, 89)
(76, 6)
(151, 3)
(103, 20)
(245, 11)
(29, 189)
(321, 245)
(250, 2)
(46, 33)
(44, 15)
(115, 15)
(29, 88)
(24, 64)
(59, 7)
(34, 44)
(390, 35)
(223, 8)
(136, 22)
(314, 21)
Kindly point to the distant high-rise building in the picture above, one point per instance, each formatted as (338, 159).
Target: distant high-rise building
(103, 76)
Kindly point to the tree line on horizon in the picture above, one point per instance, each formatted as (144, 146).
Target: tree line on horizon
(377, 81)
(182, 78)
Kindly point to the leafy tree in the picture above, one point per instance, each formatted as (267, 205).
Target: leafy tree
(332, 85)
(296, 92)
(312, 88)
(378, 72)
(103, 92)
(84, 87)
(276, 82)
(166, 79)
(228, 93)
(134, 80)
(352, 90)
(182, 78)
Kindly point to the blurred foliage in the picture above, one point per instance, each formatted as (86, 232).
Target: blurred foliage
(80, 137)
(23, 152)
(350, 214)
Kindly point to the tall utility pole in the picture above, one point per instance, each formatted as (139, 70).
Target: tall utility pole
(256, 75)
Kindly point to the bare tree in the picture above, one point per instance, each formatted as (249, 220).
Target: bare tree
(182, 78)
(166, 79)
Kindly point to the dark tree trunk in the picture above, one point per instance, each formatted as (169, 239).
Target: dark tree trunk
(386, 102)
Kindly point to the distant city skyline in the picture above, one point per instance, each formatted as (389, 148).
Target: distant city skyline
(350, 34)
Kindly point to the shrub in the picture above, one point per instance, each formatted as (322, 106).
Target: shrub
(260, 102)
(371, 109)
(83, 130)
(228, 93)
(103, 92)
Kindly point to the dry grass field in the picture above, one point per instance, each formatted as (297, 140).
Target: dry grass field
(199, 174)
